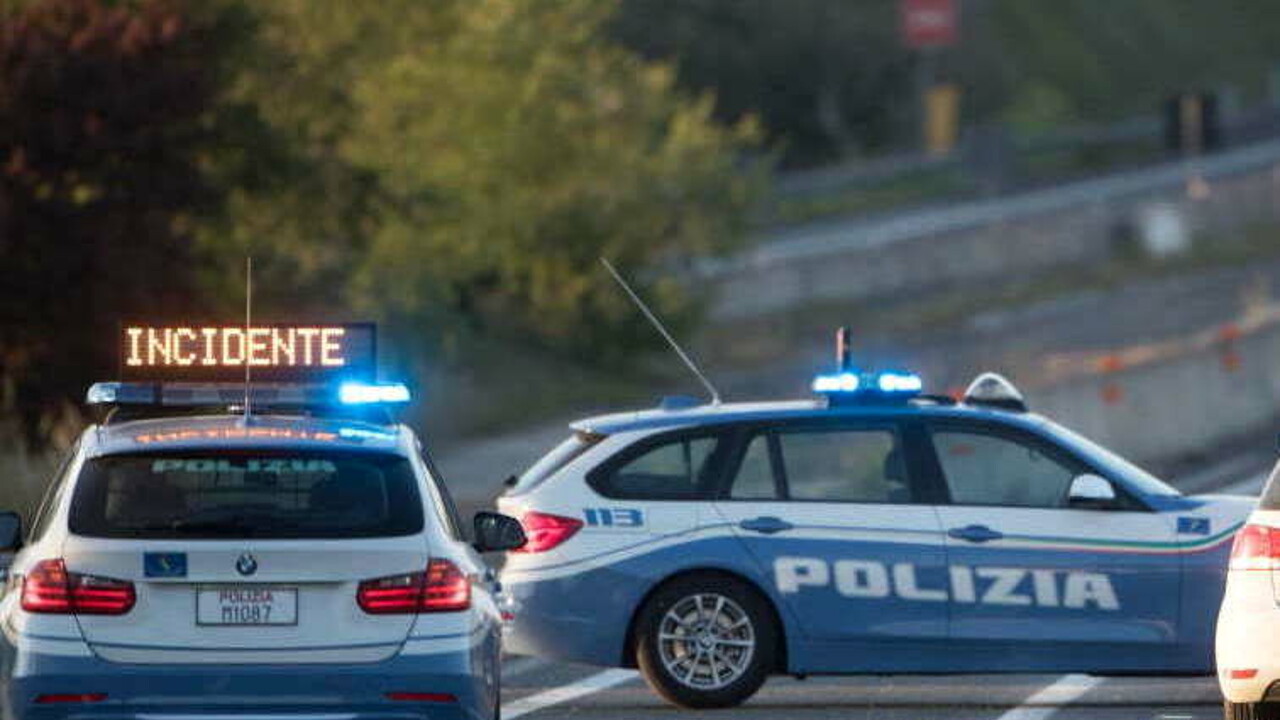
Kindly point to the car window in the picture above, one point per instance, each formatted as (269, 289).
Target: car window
(259, 495)
(755, 478)
(446, 508)
(845, 465)
(52, 497)
(561, 455)
(988, 469)
(679, 469)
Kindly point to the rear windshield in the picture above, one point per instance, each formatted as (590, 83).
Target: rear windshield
(554, 461)
(250, 495)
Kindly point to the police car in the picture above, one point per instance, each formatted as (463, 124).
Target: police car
(1249, 620)
(265, 550)
(873, 530)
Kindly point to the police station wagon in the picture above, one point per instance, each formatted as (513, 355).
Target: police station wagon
(295, 556)
(873, 530)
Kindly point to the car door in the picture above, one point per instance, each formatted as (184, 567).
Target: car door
(832, 513)
(1029, 573)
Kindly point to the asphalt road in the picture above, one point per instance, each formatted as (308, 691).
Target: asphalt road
(537, 689)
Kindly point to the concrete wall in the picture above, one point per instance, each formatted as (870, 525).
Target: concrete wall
(1174, 407)
(1027, 235)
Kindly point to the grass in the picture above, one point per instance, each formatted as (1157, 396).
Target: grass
(903, 191)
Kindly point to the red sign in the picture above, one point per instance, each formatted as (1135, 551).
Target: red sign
(929, 23)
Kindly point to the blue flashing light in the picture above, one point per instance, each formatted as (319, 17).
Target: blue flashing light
(899, 382)
(112, 393)
(351, 433)
(359, 393)
(840, 382)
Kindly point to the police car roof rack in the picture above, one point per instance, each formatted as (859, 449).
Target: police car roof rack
(932, 399)
(994, 390)
(140, 400)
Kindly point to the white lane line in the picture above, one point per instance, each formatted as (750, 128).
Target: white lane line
(1063, 691)
(566, 693)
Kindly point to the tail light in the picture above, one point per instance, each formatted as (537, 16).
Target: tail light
(429, 697)
(49, 588)
(53, 698)
(1257, 547)
(441, 588)
(545, 531)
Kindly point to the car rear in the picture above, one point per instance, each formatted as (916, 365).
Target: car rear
(1248, 630)
(245, 580)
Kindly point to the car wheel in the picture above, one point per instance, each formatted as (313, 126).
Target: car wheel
(706, 641)
(1250, 711)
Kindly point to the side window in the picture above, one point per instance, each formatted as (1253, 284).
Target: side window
(986, 469)
(680, 469)
(755, 479)
(52, 496)
(446, 508)
(844, 465)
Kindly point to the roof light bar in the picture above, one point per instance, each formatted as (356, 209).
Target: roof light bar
(356, 393)
(839, 382)
(233, 394)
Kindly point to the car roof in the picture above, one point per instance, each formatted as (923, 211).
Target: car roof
(662, 419)
(275, 432)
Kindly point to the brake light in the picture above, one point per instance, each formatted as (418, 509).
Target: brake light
(441, 588)
(431, 697)
(1257, 547)
(48, 588)
(51, 698)
(545, 531)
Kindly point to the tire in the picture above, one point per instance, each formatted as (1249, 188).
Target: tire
(731, 645)
(1250, 711)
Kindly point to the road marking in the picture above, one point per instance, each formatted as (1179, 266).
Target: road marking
(567, 693)
(1051, 698)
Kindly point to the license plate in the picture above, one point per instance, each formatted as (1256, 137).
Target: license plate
(247, 605)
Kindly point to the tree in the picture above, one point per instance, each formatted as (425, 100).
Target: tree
(102, 126)
(494, 150)
(827, 78)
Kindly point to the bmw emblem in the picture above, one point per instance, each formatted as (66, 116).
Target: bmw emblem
(246, 564)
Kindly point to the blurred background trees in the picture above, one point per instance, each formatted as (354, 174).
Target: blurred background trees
(103, 126)
(455, 168)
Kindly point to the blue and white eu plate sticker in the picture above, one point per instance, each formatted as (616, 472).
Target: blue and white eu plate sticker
(1193, 525)
(162, 565)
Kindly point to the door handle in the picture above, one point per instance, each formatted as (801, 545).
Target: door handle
(766, 525)
(975, 533)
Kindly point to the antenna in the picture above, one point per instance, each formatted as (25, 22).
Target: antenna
(711, 389)
(248, 324)
(843, 351)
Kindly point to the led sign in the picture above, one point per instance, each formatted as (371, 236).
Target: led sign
(280, 352)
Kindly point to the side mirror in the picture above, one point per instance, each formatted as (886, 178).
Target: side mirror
(10, 532)
(1091, 491)
(496, 532)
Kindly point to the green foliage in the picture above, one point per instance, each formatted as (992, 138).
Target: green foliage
(826, 77)
(464, 164)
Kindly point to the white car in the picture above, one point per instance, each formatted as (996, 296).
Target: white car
(1248, 636)
(273, 565)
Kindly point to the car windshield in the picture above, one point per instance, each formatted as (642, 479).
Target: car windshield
(1137, 478)
(246, 495)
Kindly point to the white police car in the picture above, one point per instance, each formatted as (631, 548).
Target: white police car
(298, 558)
(874, 531)
(1249, 620)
